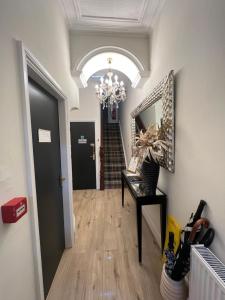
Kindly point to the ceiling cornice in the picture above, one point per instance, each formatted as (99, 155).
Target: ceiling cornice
(123, 34)
(148, 14)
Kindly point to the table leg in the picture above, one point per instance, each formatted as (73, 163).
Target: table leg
(122, 183)
(139, 230)
(163, 208)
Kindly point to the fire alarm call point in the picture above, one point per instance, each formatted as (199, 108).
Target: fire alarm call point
(14, 209)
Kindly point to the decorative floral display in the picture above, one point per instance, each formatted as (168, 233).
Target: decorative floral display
(151, 144)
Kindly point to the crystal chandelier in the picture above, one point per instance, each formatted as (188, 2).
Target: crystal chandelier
(110, 93)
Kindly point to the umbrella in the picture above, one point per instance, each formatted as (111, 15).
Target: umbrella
(194, 217)
(170, 256)
(182, 265)
(207, 238)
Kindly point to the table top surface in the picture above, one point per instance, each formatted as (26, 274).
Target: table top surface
(137, 185)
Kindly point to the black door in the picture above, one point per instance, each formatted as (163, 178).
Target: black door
(83, 155)
(46, 148)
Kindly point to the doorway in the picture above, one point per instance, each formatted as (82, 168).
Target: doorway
(83, 155)
(47, 165)
(29, 66)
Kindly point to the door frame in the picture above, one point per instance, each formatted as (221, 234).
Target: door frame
(30, 66)
(97, 156)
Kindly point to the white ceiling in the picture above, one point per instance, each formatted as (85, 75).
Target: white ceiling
(136, 16)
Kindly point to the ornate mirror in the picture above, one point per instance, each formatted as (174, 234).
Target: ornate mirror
(158, 108)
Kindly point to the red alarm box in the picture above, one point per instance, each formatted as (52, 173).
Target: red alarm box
(14, 209)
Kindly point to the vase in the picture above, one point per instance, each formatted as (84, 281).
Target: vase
(150, 175)
(171, 289)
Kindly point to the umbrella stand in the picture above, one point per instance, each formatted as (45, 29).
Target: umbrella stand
(182, 265)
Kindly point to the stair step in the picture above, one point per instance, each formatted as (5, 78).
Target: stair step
(114, 159)
(111, 124)
(112, 138)
(112, 174)
(112, 186)
(110, 143)
(114, 168)
(113, 144)
(114, 165)
(111, 152)
(114, 148)
(112, 128)
(112, 131)
(110, 135)
(112, 181)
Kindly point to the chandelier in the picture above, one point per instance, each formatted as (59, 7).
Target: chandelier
(110, 93)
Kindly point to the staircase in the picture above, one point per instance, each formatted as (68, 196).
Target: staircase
(114, 156)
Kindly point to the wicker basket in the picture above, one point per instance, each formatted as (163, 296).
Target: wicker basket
(171, 289)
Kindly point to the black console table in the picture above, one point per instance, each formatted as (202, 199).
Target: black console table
(136, 188)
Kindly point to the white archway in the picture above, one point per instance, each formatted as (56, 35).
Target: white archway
(122, 60)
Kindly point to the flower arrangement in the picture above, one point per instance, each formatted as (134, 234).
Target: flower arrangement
(151, 144)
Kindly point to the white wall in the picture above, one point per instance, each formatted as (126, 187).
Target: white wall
(40, 25)
(189, 38)
(89, 110)
(81, 43)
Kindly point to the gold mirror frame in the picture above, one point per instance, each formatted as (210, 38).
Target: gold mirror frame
(165, 91)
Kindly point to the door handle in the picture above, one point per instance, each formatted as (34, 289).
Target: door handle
(62, 179)
(93, 151)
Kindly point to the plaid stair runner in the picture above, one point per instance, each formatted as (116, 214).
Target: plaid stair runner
(114, 156)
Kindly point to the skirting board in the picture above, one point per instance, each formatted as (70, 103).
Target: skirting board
(153, 228)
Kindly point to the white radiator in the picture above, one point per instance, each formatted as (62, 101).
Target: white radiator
(207, 277)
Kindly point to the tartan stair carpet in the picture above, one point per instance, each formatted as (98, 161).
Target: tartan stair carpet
(114, 157)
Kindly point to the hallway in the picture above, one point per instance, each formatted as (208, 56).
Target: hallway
(103, 264)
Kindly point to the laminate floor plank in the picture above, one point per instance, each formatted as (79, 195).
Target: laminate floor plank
(103, 264)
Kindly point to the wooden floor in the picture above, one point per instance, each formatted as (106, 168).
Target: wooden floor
(103, 264)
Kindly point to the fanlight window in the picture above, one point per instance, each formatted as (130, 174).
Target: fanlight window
(119, 62)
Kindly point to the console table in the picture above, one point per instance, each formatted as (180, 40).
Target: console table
(136, 188)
